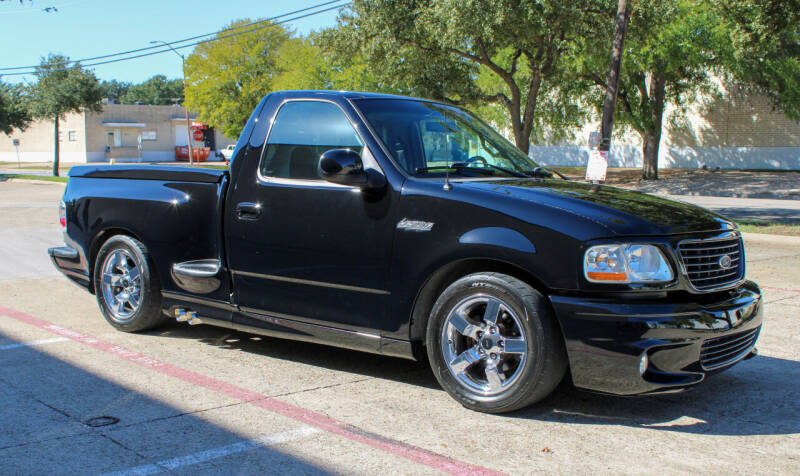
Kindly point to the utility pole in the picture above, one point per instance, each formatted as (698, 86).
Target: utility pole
(612, 87)
(188, 124)
(598, 159)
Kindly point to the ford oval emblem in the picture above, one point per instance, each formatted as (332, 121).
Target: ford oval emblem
(725, 262)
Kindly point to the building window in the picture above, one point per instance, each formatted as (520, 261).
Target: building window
(72, 136)
(149, 135)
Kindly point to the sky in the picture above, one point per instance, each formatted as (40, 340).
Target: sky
(87, 28)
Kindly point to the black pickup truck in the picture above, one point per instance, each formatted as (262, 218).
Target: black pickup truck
(410, 228)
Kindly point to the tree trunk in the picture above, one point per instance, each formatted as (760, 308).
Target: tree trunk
(651, 137)
(55, 148)
(612, 85)
(523, 143)
(651, 140)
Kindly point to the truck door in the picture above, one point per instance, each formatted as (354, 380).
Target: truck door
(301, 248)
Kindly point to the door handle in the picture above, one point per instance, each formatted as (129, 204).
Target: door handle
(248, 211)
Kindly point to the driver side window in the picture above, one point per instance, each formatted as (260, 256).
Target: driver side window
(301, 133)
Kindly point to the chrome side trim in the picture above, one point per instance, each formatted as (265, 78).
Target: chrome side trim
(311, 283)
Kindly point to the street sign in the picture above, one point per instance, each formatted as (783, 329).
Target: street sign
(16, 148)
(596, 168)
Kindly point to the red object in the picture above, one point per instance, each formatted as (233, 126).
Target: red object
(198, 135)
(201, 154)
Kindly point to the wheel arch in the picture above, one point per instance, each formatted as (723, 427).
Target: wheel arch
(98, 242)
(449, 273)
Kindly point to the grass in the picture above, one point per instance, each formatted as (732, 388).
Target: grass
(46, 178)
(767, 227)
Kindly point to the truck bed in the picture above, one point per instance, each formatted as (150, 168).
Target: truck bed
(175, 211)
(149, 172)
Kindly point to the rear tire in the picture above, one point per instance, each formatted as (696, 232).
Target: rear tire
(126, 287)
(494, 344)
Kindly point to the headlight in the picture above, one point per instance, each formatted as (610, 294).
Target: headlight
(627, 263)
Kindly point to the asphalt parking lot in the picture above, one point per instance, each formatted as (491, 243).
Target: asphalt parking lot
(81, 398)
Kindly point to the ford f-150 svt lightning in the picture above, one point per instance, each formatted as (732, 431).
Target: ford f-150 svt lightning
(410, 228)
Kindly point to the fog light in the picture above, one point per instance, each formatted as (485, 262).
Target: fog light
(643, 364)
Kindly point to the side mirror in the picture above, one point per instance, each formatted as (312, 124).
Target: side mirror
(344, 166)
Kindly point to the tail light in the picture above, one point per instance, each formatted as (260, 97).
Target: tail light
(62, 214)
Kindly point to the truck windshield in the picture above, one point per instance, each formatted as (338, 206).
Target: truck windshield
(430, 138)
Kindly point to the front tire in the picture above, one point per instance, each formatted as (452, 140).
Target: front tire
(126, 287)
(493, 343)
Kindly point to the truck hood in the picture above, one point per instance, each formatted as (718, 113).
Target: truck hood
(621, 212)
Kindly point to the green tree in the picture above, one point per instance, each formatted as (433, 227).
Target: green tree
(14, 113)
(157, 90)
(671, 48)
(62, 89)
(503, 52)
(114, 89)
(765, 53)
(304, 64)
(226, 79)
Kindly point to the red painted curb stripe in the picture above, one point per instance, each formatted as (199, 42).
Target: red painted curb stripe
(781, 289)
(309, 417)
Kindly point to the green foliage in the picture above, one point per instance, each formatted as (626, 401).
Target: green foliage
(226, 79)
(114, 89)
(14, 112)
(671, 47)
(61, 89)
(480, 53)
(765, 49)
(157, 90)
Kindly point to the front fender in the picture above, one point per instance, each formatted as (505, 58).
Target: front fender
(498, 237)
(544, 255)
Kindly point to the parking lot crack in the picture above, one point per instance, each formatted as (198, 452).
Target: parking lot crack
(321, 387)
(131, 450)
(45, 440)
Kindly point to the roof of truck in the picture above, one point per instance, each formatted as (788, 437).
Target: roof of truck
(345, 94)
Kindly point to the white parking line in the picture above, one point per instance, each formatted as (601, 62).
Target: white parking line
(214, 453)
(32, 343)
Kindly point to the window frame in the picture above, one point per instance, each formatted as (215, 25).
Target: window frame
(321, 182)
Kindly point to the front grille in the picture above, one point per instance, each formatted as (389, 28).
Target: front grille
(701, 260)
(721, 351)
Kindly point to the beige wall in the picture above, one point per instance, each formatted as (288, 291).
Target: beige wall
(734, 118)
(90, 135)
(731, 129)
(36, 142)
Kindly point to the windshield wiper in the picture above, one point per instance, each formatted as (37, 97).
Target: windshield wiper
(460, 166)
(544, 172)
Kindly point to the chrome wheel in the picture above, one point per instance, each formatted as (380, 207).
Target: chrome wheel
(122, 283)
(484, 344)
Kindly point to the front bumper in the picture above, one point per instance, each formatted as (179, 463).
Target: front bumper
(606, 339)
